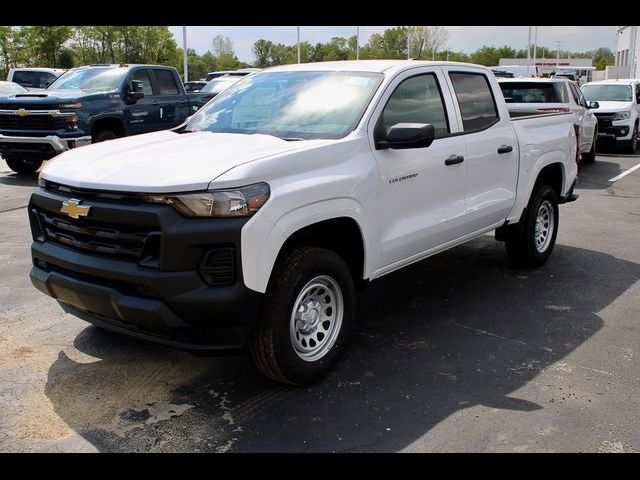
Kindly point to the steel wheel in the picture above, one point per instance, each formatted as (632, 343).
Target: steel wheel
(545, 221)
(316, 318)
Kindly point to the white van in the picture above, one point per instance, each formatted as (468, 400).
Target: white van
(34, 78)
(518, 71)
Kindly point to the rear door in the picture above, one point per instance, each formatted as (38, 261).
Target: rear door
(170, 99)
(420, 199)
(492, 147)
(144, 115)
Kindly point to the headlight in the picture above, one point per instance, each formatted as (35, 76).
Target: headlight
(71, 105)
(240, 202)
(621, 116)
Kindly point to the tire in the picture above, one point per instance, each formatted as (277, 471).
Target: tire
(590, 156)
(293, 348)
(23, 166)
(632, 145)
(524, 247)
(103, 136)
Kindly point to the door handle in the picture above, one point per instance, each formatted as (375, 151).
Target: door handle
(505, 149)
(453, 159)
(155, 103)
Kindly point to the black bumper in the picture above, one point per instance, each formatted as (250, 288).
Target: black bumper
(165, 299)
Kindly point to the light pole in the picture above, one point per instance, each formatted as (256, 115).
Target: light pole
(184, 53)
(535, 45)
(558, 42)
(357, 43)
(298, 44)
(529, 46)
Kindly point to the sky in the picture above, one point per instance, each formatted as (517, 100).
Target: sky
(465, 38)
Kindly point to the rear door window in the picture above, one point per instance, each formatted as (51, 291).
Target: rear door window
(534, 92)
(166, 83)
(475, 98)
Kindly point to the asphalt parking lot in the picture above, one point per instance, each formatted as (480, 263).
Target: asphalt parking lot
(460, 352)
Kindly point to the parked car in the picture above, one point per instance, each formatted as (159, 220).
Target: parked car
(502, 73)
(240, 72)
(196, 86)
(545, 95)
(34, 78)
(568, 76)
(618, 110)
(88, 105)
(211, 89)
(252, 224)
(11, 88)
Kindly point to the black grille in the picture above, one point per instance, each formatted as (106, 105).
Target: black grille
(217, 267)
(28, 106)
(34, 122)
(88, 193)
(103, 238)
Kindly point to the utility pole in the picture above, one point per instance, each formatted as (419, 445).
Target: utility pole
(184, 53)
(535, 45)
(529, 47)
(558, 42)
(357, 43)
(298, 44)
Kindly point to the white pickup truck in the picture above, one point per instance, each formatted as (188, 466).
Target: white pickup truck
(252, 224)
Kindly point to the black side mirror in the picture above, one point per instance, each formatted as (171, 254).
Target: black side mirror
(405, 135)
(593, 104)
(135, 92)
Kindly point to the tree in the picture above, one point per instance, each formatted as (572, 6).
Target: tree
(426, 40)
(222, 46)
(602, 57)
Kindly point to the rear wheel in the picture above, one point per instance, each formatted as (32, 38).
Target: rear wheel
(309, 307)
(530, 242)
(23, 166)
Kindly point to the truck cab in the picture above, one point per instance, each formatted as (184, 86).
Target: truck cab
(86, 105)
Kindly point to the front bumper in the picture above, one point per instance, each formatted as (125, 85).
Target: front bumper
(618, 130)
(47, 146)
(167, 301)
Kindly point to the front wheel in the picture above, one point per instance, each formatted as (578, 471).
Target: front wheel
(632, 145)
(307, 313)
(590, 156)
(23, 166)
(530, 242)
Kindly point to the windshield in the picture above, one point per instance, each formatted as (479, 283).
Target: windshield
(219, 84)
(99, 79)
(300, 105)
(9, 88)
(607, 93)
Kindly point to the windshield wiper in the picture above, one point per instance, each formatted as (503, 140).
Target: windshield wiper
(292, 139)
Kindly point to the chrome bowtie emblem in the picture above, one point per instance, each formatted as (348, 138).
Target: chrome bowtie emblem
(21, 112)
(73, 208)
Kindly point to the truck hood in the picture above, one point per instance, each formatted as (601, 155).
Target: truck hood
(163, 162)
(612, 107)
(53, 97)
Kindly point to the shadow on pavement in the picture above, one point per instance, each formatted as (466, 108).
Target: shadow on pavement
(19, 180)
(455, 331)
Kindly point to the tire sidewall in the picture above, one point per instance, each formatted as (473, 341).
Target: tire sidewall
(322, 262)
(23, 167)
(543, 192)
(104, 136)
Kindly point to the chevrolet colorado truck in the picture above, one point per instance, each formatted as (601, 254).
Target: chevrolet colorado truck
(88, 105)
(252, 225)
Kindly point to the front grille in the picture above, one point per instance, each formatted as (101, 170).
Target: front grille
(33, 122)
(125, 242)
(218, 266)
(28, 106)
(88, 193)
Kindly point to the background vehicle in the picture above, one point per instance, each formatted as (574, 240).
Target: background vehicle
(568, 76)
(34, 78)
(88, 105)
(618, 110)
(240, 72)
(10, 88)
(542, 95)
(190, 87)
(252, 224)
(502, 73)
(519, 71)
(211, 89)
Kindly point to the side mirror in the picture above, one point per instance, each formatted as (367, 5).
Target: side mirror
(593, 104)
(405, 135)
(135, 93)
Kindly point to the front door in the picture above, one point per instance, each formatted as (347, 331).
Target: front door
(144, 115)
(420, 201)
(171, 101)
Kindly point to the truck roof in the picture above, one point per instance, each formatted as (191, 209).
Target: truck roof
(366, 65)
(620, 81)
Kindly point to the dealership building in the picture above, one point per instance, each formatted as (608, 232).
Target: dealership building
(548, 65)
(627, 64)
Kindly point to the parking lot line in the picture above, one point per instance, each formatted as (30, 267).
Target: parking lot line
(626, 172)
